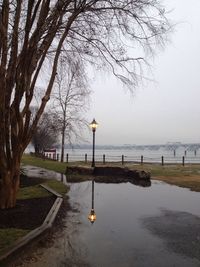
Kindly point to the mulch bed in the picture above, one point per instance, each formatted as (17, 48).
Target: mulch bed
(28, 213)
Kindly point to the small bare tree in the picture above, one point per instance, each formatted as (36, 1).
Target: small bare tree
(33, 35)
(46, 134)
(71, 99)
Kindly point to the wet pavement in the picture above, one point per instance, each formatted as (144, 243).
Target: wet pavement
(32, 171)
(157, 226)
(179, 230)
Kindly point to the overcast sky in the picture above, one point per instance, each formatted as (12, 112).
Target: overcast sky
(167, 110)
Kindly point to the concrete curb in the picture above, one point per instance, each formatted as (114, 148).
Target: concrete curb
(48, 222)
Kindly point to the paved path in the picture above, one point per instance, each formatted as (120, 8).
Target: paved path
(33, 171)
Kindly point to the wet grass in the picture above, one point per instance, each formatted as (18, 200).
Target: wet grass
(57, 186)
(9, 236)
(169, 170)
(187, 176)
(37, 191)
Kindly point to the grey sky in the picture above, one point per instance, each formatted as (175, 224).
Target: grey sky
(161, 111)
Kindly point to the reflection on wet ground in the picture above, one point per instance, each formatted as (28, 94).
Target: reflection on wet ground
(32, 171)
(179, 230)
(154, 226)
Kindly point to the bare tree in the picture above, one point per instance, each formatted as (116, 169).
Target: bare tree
(46, 133)
(71, 99)
(33, 34)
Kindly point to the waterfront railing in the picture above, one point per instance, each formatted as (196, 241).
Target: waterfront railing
(128, 159)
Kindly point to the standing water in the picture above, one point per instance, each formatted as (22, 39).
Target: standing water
(156, 226)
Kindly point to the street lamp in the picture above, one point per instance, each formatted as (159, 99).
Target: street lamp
(92, 216)
(93, 126)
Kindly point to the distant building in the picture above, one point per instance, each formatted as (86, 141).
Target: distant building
(50, 153)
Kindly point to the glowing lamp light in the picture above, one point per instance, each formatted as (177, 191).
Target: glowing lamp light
(92, 216)
(93, 125)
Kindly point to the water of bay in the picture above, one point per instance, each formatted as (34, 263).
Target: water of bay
(149, 155)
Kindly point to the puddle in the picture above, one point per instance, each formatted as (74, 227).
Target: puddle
(154, 226)
(32, 171)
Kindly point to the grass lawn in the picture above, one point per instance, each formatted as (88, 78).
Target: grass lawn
(37, 191)
(9, 236)
(185, 176)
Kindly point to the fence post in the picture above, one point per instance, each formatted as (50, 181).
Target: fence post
(104, 159)
(57, 157)
(183, 161)
(195, 153)
(142, 158)
(67, 157)
(174, 153)
(162, 159)
(122, 159)
(85, 158)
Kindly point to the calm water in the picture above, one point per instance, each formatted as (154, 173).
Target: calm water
(135, 155)
(135, 227)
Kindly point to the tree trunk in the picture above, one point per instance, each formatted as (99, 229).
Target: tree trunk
(9, 186)
(62, 145)
(36, 149)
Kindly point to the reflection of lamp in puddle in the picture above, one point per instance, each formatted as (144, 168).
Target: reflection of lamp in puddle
(92, 216)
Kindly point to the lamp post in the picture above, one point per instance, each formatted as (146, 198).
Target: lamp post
(92, 216)
(93, 126)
